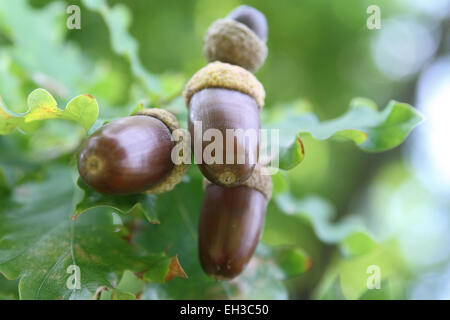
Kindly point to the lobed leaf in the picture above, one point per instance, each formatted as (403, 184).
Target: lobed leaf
(370, 129)
(40, 242)
(291, 260)
(347, 276)
(138, 203)
(163, 269)
(129, 287)
(8, 120)
(176, 235)
(8, 289)
(117, 20)
(354, 274)
(292, 155)
(356, 244)
(130, 283)
(82, 109)
(320, 214)
(41, 53)
(41, 106)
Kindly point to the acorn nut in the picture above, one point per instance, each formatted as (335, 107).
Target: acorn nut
(231, 223)
(254, 19)
(132, 155)
(226, 98)
(239, 39)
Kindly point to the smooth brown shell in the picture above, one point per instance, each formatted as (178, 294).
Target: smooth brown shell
(230, 227)
(126, 156)
(222, 109)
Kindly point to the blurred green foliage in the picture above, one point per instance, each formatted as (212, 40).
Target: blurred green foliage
(130, 54)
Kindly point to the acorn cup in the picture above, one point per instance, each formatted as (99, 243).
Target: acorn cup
(133, 155)
(231, 223)
(239, 39)
(226, 98)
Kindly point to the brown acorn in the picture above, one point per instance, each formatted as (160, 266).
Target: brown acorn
(254, 19)
(226, 98)
(132, 155)
(239, 39)
(231, 223)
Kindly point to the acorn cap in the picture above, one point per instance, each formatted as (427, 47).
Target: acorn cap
(231, 41)
(224, 75)
(179, 170)
(259, 180)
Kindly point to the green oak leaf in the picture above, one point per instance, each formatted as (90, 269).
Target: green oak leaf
(130, 283)
(117, 20)
(8, 289)
(41, 106)
(293, 261)
(138, 203)
(358, 251)
(8, 120)
(42, 54)
(82, 109)
(162, 89)
(42, 245)
(356, 244)
(140, 106)
(280, 183)
(172, 85)
(319, 213)
(292, 155)
(177, 234)
(5, 187)
(290, 260)
(129, 287)
(11, 87)
(354, 273)
(370, 129)
(163, 269)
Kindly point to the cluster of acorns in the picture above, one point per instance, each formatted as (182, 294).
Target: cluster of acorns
(134, 154)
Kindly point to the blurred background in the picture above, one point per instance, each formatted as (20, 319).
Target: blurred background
(320, 51)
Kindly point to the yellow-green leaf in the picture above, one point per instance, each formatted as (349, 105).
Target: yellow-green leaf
(82, 109)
